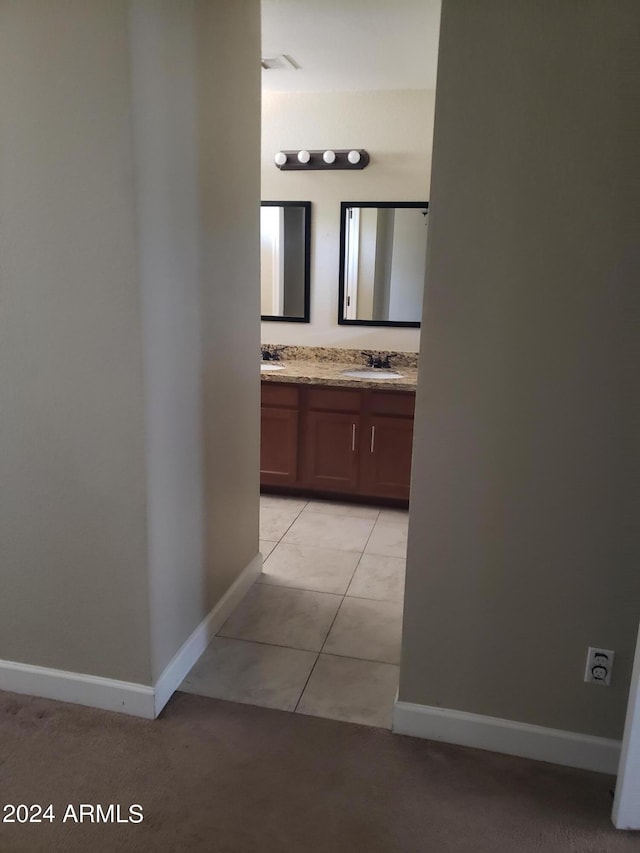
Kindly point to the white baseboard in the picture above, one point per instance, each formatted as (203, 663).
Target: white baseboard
(108, 694)
(194, 646)
(570, 749)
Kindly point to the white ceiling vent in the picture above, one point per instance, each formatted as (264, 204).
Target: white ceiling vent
(279, 63)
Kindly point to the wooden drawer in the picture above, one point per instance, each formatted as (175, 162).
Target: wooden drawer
(283, 396)
(333, 400)
(392, 403)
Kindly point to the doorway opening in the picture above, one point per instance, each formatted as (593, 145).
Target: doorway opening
(320, 630)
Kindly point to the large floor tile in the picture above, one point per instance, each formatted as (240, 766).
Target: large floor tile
(283, 617)
(379, 577)
(282, 502)
(356, 691)
(252, 673)
(394, 516)
(308, 567)
(343, 508)
(388, 539)
(265, 547)
(366, 629)
(275, 521)
(345, 533)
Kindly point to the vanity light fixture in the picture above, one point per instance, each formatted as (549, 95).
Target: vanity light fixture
(329, 158)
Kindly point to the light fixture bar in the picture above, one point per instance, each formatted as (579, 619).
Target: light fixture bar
(322, 159)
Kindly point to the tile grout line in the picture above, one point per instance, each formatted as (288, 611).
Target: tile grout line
(308, 651)
(342, 597)
(361, 555)
(352, 657)
(333, 620)
(264, 643)
(257, 580)
(324, 592)
(345, 594)
(293, 521)
(304, 686)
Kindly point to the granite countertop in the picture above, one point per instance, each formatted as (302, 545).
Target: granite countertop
(327, 369)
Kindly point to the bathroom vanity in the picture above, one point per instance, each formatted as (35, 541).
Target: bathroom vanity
(330, 435)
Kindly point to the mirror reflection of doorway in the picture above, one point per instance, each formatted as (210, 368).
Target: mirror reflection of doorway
(383, 262)
(272, 260)
(285, 228)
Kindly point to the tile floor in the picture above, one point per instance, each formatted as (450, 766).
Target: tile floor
(319, 631)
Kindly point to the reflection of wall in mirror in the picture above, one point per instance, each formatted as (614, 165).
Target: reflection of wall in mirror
(408, 266)
(294, 248)
(384, 256)
(391, 264)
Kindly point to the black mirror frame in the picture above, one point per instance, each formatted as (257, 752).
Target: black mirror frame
(306, 318)
(344, 206)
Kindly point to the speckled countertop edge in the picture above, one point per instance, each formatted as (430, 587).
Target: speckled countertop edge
(309, 372)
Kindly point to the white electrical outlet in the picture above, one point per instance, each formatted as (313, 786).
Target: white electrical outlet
(599, 666)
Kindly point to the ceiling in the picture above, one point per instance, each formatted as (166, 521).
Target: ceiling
(351, 45)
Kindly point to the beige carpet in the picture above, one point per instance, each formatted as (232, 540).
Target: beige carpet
(224, 778)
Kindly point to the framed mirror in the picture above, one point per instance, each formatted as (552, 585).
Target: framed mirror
(285, 262)
(383, 252)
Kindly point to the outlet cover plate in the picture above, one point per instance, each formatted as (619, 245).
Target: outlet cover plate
(599, 666)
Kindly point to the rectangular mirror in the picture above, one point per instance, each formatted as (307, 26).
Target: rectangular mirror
(285, 241)
(383, 253)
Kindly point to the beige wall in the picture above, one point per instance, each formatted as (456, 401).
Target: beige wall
(165, 136)
(128, 390)
(229, 95)
(198, 289)
(73, 546)
(396, 128)
(520, 548)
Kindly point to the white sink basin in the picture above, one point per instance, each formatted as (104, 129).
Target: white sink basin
(372, 373)
(267, 367)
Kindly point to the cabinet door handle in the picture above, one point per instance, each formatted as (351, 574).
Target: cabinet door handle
(373, 438)
(353, 437)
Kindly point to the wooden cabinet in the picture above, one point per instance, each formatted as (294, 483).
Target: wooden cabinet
(279, 436)
(330, 451)
(385, 452)
(330, 431)
(385, 456)
(324, 440)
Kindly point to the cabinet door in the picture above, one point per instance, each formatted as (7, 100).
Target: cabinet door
(386, 456)
(331, 457)
(279, 447)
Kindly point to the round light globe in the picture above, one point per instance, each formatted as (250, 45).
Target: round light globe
(304, 156)
(353, 157)
(280, 158)
(329, 157)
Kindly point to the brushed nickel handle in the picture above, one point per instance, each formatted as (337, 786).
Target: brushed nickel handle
(373, 438)
(353, 437)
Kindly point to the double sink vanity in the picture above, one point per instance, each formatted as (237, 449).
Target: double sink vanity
(339, 422)
(333, 426)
